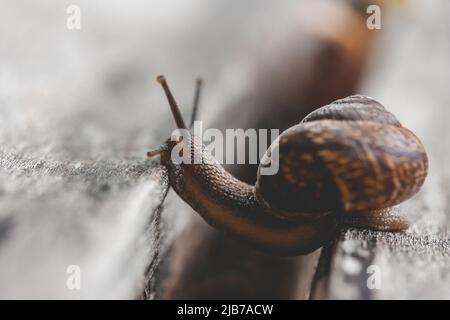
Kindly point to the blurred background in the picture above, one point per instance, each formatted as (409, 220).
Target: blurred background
(80, 107)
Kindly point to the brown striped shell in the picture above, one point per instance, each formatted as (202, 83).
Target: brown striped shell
(351, 155)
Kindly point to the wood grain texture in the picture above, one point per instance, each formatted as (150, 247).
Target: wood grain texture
(78, 111)
(303, 63)
(409, 77)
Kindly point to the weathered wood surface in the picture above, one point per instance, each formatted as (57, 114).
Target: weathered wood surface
(303, 63)
(79, 109)
(410, 75)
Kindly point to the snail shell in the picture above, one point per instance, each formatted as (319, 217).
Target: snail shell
(351, 155)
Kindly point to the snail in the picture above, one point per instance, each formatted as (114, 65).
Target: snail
(347, 162)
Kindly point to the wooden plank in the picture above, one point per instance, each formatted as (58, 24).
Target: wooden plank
(410, 76)
(77, 115)
(78, 111)
(102, 216)
(302, 64)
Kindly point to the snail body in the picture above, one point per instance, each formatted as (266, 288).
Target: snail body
(351, 157)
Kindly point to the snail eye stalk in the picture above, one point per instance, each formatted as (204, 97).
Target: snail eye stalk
(172, 103)
(198, 88)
